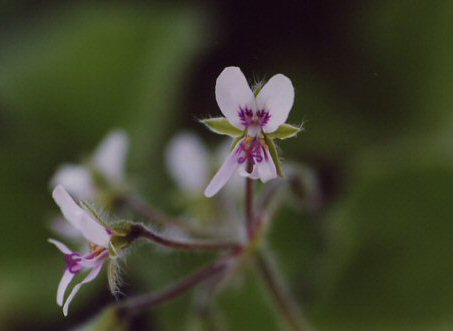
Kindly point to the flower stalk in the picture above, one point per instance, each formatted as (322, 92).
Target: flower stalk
(249, 212)
(142, 231)
(151, 214)
(280, 296)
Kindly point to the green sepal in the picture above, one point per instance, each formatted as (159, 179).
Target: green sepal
(236, 141)
(221, 125)
(90, 207)
(113, 276)
(124, 233)
(274, 154)
(285, 131)
(123, 228)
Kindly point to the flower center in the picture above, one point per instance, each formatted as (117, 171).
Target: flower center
(249, 119)
(252, 150)
(74, 260)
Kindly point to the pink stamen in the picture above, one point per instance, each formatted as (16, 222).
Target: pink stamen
(73, 261)
(252, 151)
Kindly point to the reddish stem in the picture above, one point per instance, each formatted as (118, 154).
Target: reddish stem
(249, 197)
(143, 232)
(140, 303)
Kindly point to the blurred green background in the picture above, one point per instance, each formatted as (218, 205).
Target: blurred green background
(374, 82)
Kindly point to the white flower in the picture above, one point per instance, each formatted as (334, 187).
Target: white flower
(190, 165)
(108, 161)
(187, 161)
(96, 234)
(256, 119)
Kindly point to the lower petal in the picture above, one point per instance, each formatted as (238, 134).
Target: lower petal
(64, 283)
(223, 175)
(62, 247)
(90, 277)
(266, 169)
(244, 173)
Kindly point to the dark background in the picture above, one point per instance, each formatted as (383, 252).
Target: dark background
(373, 84)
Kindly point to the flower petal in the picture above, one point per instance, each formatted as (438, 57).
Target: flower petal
(266, 169)
(277, 97)
(242, 171)
(223, 175)
(188, 162)
(90, 277)
(64, 283)
(110, 156)
(235, 185)
(90, 262)
(80, 218)
(62, 247)
(76, 179)
(232, 93)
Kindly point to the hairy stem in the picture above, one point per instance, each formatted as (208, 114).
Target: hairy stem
(143, 302)
(142, 231)
(140, 207)
(279, 293)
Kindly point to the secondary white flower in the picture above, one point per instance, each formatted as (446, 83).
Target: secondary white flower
(254, 121)
(98, 237)
(108, 161)
(188, 163)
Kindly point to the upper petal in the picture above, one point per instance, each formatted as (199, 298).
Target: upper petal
(188, 162)
(223, 175)
(63, 285)
(110, 156)
(90, 277)
(277, 97)
(232, 93)
(80, 218)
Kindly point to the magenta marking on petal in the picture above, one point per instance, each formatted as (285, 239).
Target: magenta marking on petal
(263, 117)
(246, 116)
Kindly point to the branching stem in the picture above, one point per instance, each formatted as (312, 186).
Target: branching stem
(141, 303)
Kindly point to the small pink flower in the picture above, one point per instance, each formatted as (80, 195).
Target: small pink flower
(95, 233)
(257, 117)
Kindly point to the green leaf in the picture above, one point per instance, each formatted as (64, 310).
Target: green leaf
(274, 154)
(221, 125)
(285, 131)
